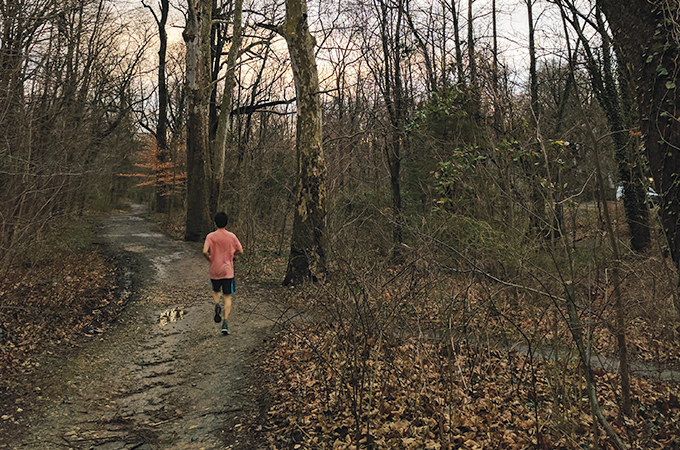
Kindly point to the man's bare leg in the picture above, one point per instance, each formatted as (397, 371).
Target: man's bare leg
(227, 310)
(216, 296)
(227, 306)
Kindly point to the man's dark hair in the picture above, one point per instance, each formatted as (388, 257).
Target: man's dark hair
(221, 219)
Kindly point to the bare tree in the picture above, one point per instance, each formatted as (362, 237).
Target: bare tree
(472, 57)
(162, 121)
(611, 91)
(219, 144)
(647, 39)
(460, 70)
(66, 91)
(391, 22)
(307, 258)
(198, 82)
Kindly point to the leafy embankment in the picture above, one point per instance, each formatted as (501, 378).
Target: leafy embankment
(54, 299)
(401, 364)
(412, 394)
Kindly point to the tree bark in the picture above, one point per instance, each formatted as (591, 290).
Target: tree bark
(197, 39)
(611, 92)
(460, 70)
(648, 48)
(472, 63)
(307, 259)
(538, 223)
(162, 199)
(162, 202)
(394, 98)
(219, 150)
(533, 76)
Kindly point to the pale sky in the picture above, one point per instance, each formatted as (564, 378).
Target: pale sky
(512, 27)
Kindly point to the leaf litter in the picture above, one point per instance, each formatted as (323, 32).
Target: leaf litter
(341, 384)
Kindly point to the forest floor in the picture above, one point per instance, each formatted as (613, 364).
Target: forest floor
(159, 375)
(113, 346)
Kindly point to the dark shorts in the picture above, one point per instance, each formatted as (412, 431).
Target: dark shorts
(225, 285)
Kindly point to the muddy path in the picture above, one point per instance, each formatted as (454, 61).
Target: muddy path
(162, 376)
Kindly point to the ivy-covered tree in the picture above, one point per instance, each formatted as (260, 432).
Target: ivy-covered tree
(647, 38)
(612, 90)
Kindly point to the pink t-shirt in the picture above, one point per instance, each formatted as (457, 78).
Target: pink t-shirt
(223, 245)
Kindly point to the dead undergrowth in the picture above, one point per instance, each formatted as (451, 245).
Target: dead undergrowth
(53, 301)
(407, 358)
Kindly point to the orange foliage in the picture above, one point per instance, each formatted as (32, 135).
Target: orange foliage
(168, 177)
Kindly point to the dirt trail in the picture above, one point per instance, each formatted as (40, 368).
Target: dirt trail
(146, 384)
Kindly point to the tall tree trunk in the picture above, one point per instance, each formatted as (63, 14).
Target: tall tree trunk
(443, 50)
(472, 63)
(610, 93)
(197, 39)
(649, 47)
(162, 199)
(396, 142)
(533, 77)
(307, 259)
(538, 223)
(631, 172)
(494, 67)
(430, 69)
(219, 150)
(460, 70)
(393, 96)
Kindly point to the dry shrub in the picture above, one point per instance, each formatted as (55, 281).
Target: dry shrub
(437, 353)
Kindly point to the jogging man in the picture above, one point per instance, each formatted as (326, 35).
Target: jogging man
(219, 248)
